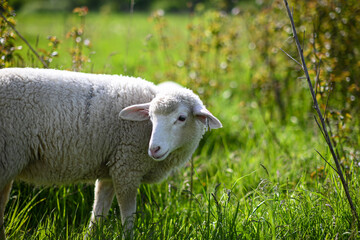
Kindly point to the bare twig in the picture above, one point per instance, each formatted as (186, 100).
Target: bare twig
(317, 122)
(326, 161)
(326, 106)
(303, 40)
(322, 121)
(27, 43)
(291, 57)
(317, 69)
(317, 66)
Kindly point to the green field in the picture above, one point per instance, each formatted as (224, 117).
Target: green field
(120, 44)
(259, 177)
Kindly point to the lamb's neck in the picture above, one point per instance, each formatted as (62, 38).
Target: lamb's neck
(163, 168)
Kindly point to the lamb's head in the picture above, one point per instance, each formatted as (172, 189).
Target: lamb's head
(179, 120)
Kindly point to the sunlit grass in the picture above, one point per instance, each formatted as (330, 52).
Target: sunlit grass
(121, 43)
(250, 193)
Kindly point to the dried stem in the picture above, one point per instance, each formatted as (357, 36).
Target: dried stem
(322, 121)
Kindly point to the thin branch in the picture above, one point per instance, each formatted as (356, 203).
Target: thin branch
(323, 125)
(334, 142)
(290, 57)
(303, 39)
(326, 105)
(317, 122)
(326, 161)
(317, 69)
(317, 66)
(27, 43)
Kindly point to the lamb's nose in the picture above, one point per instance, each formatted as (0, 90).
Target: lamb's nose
(154, 150)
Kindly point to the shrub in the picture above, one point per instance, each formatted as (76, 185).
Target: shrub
(79, 41)
(332, 44)
(8, 50)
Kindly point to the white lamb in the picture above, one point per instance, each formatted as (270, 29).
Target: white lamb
(168, 86)
(61, 127)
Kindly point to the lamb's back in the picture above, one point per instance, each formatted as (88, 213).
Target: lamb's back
(64, 126)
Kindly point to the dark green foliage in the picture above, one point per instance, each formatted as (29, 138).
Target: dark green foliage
(331, 43)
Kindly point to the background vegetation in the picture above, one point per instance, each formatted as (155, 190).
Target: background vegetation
(257, 178)
(107, 6)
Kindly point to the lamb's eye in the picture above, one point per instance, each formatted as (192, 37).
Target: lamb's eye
(182, 118)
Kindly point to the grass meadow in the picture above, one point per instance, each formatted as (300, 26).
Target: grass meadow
(259, 177)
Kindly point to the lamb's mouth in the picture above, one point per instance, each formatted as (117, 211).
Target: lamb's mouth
(160, 157)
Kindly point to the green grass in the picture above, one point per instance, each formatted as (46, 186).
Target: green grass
(256, 178)
(122, 43)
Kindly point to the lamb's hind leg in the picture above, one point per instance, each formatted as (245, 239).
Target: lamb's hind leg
(4, 197)
(104, 195)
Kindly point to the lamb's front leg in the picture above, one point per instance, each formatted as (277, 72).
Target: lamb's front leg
(126, 197)
(104, 195)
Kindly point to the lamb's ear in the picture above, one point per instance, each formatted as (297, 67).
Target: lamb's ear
(206, 117)
(138, 112)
